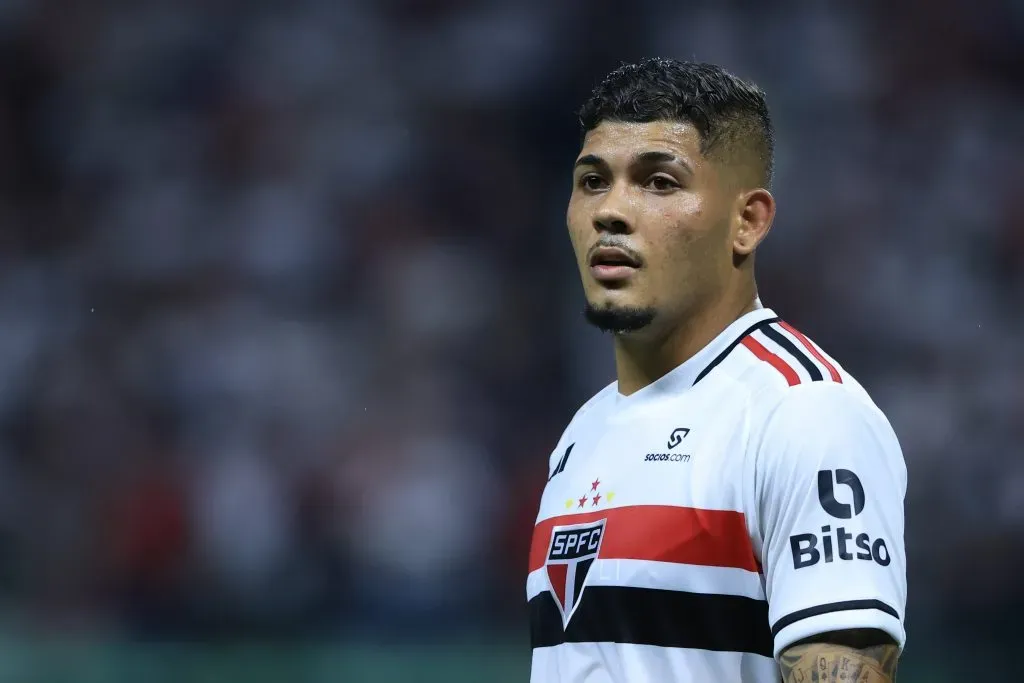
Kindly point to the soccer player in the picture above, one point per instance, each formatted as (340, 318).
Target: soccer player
(731, 508)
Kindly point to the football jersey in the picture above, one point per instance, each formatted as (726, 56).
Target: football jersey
(691, 531)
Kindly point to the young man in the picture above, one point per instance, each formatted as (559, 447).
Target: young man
(733, 504)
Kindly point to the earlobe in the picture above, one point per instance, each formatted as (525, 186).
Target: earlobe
(757, 211)
(746, 240)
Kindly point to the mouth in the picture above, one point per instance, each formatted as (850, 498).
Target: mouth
(613, 264)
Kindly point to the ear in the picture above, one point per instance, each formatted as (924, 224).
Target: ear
(756, 210)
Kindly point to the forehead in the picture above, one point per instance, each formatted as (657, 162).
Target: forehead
(619, 140)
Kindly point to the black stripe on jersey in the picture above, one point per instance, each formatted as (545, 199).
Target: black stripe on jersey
(831, 607)
(648, 616)
(720, 357)
(782, 341)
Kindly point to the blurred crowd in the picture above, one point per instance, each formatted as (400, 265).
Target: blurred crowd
(289, 323)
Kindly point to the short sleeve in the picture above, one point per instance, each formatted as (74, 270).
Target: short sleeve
(830, 481)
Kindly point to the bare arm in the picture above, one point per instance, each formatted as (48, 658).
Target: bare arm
(855, 656)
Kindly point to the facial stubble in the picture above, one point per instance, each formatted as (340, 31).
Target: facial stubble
(618, 319)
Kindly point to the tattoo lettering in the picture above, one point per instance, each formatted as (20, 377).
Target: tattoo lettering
(829, 663)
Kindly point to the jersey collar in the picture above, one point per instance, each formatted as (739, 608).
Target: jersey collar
(704, 361)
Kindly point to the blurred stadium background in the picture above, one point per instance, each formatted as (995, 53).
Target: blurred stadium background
(289, 322)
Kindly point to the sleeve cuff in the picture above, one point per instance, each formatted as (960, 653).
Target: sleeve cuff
(838, 616)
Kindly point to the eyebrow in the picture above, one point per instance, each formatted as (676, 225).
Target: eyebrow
(589, 160)
(650, 157)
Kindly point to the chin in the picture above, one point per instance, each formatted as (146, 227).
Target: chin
(616, 295)
(618, 317)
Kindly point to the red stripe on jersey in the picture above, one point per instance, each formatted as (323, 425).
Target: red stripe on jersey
(813, 349)
(660, 533)
(557, 574)
(767, 356)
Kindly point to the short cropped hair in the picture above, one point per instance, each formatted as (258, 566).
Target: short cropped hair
(729, 113)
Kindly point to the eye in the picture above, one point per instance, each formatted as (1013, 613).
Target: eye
(662, 183)
(592, 182)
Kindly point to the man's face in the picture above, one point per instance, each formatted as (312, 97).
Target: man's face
(650, 222)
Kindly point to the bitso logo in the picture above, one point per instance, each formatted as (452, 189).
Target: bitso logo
(805, 546)
(572, 552)
(827, 493)
(677, 436)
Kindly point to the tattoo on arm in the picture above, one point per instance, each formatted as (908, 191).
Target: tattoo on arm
(856, 656)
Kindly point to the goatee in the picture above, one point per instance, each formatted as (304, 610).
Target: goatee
(618, 319)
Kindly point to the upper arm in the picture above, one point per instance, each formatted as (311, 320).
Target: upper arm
(856, 656)
(830, 483)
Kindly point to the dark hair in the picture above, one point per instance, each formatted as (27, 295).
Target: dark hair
(730, 114)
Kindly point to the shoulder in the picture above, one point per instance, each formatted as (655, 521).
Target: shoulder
(818, 408)
(790, 379)
(774, 356)
(595, 405)
(803, 404)
(823, 426)
(591, 409)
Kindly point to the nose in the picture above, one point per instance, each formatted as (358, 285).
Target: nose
(613, 215)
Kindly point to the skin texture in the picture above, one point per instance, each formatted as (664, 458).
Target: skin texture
(855, 656)
(694, 221)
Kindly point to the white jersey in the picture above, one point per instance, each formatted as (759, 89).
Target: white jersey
(691, 531)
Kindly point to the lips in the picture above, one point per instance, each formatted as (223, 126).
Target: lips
(613, 256)
(612, 266)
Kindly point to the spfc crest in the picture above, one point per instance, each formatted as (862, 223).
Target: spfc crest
(572, 551)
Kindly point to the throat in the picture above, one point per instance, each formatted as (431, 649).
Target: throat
(641, 360)
(639, 363)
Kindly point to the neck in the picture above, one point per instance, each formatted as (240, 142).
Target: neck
(641, 361)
